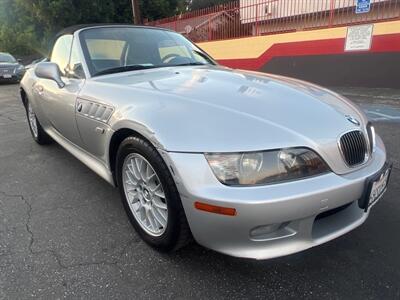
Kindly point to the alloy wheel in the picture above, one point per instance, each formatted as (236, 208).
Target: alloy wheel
(145, 194)
(32, 121)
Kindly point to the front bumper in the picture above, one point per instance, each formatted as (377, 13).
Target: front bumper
(13, 78)
(302, 213)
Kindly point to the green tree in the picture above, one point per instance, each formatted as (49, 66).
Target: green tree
(15, 34)
(158, 9)
(199, 4)
(28, 26)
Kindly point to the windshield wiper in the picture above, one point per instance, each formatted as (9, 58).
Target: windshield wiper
(189, 64)
(124, 69)
(203, 55)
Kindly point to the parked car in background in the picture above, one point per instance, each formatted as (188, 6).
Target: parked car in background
(10, 68)
(35, 62)
(250, 164)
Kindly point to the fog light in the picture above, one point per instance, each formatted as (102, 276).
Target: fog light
(264, 230)
(272, 232)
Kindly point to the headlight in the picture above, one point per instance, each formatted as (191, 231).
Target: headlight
(19, 69)
(255, 168)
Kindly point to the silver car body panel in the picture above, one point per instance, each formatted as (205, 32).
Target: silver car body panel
(180, 107)
(293, 204)
(95, 163)
(58, 105)
(188, 111)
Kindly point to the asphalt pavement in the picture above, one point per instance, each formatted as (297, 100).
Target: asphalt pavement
(64, 234)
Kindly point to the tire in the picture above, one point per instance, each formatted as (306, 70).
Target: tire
(176, 233)
(37, 131)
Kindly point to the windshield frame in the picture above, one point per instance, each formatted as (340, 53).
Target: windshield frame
(93, 73)
(13, 59)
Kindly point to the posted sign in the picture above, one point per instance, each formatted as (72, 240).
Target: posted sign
(363, 6)
(359, 37)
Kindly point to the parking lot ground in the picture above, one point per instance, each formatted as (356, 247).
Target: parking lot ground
(64, 234)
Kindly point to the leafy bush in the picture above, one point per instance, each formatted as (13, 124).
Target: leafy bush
(27, 26)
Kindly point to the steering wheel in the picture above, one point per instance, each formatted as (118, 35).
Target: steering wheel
(170, 57)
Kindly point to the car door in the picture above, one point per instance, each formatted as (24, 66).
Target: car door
(93, 114)
(58, 104)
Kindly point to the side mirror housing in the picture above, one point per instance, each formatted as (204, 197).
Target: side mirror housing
(51, 71)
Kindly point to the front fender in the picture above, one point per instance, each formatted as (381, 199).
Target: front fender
(140, 128)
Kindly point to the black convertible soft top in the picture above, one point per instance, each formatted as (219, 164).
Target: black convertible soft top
(72, 29)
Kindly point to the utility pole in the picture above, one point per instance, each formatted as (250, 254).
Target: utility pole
(137, 18)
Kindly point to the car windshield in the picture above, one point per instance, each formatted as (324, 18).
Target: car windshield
(5, 57)
(117, 49)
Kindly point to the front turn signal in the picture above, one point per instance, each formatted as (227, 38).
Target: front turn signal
(227, 211)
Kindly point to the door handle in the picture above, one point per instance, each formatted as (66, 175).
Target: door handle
(79, 107)
(39, 90)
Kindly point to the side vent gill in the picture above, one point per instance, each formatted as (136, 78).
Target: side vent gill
(93, 110)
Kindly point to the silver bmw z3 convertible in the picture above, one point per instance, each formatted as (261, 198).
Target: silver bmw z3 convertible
(248, 164)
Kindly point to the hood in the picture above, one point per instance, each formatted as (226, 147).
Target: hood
(4, 65)
(214, 109)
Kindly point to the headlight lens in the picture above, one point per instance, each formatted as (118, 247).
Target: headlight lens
(255, 168)
(18, 69)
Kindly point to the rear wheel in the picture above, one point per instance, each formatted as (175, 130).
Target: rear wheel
(150, 197)
(38, 134)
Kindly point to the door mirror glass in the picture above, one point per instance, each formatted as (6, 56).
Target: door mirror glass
(49, 70)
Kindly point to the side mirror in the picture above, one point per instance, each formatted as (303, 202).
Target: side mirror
(49, 70)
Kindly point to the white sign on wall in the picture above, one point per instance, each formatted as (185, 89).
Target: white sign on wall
(359, 37)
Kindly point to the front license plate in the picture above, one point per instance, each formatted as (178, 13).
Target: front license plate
(7, 76)
(376, 186)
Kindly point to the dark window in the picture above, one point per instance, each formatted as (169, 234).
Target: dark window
(5, 57)
(118, 49)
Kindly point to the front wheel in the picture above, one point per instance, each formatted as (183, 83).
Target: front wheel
(150, 197)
